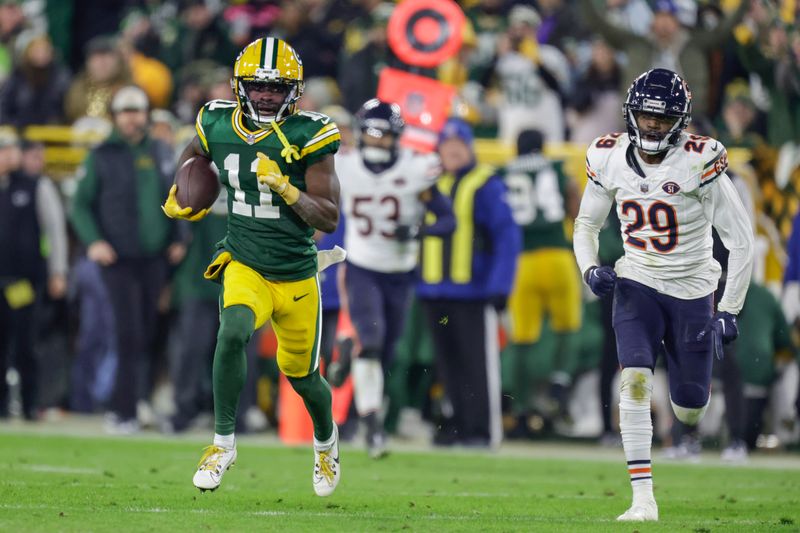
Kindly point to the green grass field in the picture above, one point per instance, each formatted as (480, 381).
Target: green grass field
(61, 483)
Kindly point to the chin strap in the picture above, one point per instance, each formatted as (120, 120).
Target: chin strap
(290, 151)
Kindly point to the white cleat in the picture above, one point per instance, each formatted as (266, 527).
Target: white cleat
(646, 511)
(212, 466)
(326, 467)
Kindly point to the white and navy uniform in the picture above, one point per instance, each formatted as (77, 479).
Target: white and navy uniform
(380, 268)
(667, 275)
(375, 204)
(666, 212)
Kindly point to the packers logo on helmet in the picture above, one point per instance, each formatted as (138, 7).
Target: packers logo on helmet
(267, 63)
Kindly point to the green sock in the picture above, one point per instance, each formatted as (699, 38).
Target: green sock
(316, 394)
(521, 381)
(230, 365)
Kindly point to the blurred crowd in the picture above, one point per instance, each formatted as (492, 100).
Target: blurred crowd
(557, 66)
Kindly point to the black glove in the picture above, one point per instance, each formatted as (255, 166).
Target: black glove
(405, 232)
(723, 329)
(600, 279)
(499, 302)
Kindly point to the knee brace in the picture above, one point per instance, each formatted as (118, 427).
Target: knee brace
(635, 422)
(636, 387)
(693, 398)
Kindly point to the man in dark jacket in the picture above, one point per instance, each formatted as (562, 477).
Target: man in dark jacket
(30, 214)
(116, 214)
(466, 279)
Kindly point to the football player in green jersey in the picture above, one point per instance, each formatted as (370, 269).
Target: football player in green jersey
(276, 163)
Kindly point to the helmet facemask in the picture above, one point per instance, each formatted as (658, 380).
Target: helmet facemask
(250, 108)
(653, 142)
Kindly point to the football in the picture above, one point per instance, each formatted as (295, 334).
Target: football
(198, 184)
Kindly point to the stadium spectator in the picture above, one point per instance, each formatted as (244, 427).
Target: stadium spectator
(774, 54)
(312, 41)
(595, 100)
(51, 320)
(12, 24)
(117, 217)
(668, 45)
(633, 15)
(735, 125)
(30, 212)
(94, 365)
(560, 26)
(139, 45)
(34, 93)
(533, 78)
(90, 92)
(358, 71)
(547, 288)
(466, 279)
(198, 33)
(764, 342)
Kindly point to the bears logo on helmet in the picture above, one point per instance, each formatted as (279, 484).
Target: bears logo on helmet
(660, 92)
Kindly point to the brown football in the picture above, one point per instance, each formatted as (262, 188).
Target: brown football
(198, 184)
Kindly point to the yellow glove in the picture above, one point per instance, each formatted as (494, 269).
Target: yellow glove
(172, 209)
(269, 173)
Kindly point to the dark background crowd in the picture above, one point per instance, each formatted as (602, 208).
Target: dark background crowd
(558, 66)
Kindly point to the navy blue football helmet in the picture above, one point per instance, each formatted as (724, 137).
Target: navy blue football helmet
(377, 119)
(660, 92)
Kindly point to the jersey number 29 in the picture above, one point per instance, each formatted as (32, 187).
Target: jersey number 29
(661, 217)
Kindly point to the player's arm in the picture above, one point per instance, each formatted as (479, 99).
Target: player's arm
(724, 209)
(439, 205)
(193, 149)
(592, 213)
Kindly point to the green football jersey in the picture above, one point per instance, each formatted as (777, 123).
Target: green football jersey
(537, 196)
(263, 232)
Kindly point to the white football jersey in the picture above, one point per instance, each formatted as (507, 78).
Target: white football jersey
(375, 204)
(666, 212)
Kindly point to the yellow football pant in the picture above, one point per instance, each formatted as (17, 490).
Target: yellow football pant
(547, 282)
(293, 306)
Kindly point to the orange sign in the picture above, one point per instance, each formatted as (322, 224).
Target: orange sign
(424, 33)
(425, 104)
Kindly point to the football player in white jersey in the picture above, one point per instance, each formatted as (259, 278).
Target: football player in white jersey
(670, 188)
(385, 195)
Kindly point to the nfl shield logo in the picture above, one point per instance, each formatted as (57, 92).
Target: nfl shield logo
(670, 187)
(644, 187)
(251, 138)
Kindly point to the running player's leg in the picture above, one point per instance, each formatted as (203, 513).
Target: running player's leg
(639, 325)
(297, 321)
(689, 360)
(366, 305)
(245, 304)
(396, 289)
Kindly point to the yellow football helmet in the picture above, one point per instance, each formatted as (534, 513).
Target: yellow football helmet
(267, 60)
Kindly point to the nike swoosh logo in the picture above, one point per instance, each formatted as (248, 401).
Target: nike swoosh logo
(298, 298)
(714, 148)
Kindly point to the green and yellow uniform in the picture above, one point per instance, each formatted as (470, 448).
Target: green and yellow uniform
(268, 255)
(547, 281)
